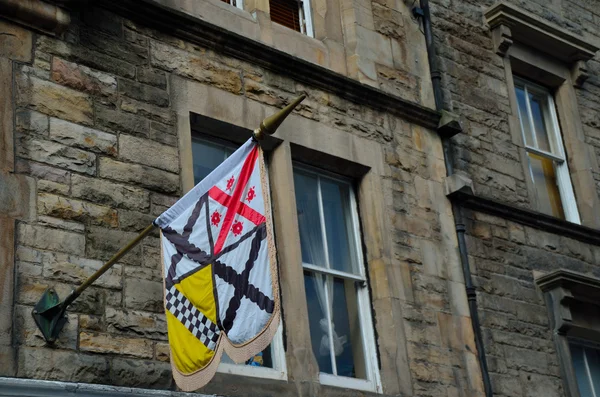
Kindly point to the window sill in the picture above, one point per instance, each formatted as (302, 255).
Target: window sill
(527, 217)
(255, 372)
(349, 383)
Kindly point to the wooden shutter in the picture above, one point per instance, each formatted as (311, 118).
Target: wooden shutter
(286, 13)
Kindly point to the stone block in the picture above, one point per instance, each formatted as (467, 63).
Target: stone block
(56, 154)
(31, 122)
(192, 66)
(82, 137)
(112, 344)
(147, 152)
(71, 209)
(62, 365)
(144, 295)
(388, 21)
(136, 323)
(54, 99)
(76, 270)
(91, 322)
(103, 243)
(41, 171)
(108, 193)
(151, 178)
(163, 133)
(151, 76)
(152, 112)
(133, 221)
(82, 78)
(52, 187)
(116, 121)
(162, 352)
(115, 48)
(60, 223)
(374, 46)
(141, 373)
(85, 56)
(17, 196)
(143, 92)
(51, 239)
(102, 20)
(15, 42)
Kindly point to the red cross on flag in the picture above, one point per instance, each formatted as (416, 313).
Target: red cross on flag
(220, 271)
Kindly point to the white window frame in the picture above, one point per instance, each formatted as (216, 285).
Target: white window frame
(238, 4)
(305, 15)
(373, 383)
(557, 154)
(279, 370)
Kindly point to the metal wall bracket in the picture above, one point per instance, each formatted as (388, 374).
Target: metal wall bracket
(49, 315)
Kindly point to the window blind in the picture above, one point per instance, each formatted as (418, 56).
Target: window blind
(286, 13)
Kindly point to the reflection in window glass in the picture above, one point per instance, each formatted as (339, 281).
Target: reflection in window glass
(538, 106)
(309, 219)
(524, 116)
(333, 287)
(544, 180)
(206, 157)
(338, 225)
(586, 364)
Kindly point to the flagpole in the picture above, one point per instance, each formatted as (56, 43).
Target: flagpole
(49, 312)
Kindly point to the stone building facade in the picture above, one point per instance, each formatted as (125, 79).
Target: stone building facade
(477, 281)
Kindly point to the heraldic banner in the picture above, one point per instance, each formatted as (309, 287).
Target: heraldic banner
(220, 273)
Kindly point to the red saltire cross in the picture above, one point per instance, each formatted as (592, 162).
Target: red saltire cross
(233, 204)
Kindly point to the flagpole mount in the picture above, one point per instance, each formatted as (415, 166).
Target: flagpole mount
(269, 125)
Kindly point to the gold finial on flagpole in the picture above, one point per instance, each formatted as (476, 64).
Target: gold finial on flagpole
(269, 125)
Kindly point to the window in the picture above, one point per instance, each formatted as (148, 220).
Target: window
(293, 14)
(586, 363)
(269, 363)
(545, 153)
(335, 282)
(235, 3)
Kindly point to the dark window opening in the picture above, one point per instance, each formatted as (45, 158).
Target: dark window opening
(286, 13)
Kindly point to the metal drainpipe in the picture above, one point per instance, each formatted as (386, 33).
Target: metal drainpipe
(456, 210)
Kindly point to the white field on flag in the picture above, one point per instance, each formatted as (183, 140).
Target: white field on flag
(220, 273)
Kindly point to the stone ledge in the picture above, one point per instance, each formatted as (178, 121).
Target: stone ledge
(534, 219)
(36, 14)
(508, 22)
(183, 26)
(14, 387)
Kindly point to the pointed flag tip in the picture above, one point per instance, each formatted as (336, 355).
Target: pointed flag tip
(269, 125)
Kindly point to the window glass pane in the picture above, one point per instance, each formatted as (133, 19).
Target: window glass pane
(317, 317)
(583, 380)
(309, 220)
(540, 116)
(524, 116)
(593, 361)
(347, 337)
(206, 157)
(338, 225)
(544, 180)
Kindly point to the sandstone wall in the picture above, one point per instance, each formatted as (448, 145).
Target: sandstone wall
(504, 255)
(96, 134)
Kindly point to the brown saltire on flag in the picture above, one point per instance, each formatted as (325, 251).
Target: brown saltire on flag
(220, 271)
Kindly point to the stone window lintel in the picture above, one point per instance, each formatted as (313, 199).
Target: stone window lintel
(510, 24)
(566, 287)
